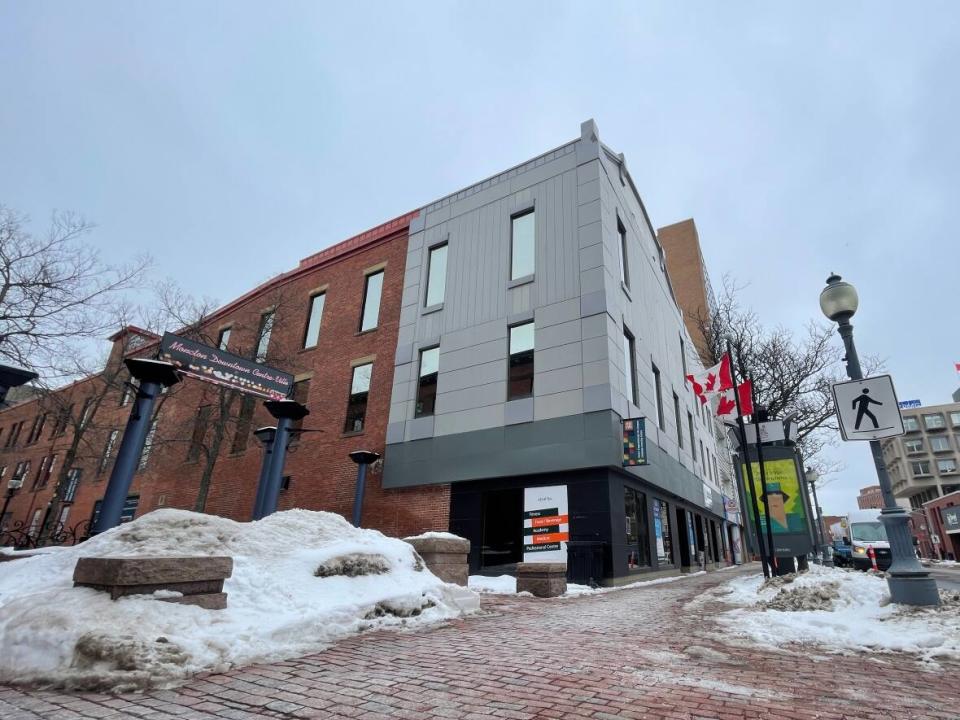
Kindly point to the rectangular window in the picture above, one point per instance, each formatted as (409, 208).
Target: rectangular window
(520, 380)
(703, 459)
(301, 392)
(716, 474)
(661, 527)
(638, 541)
(522, 245)
(427, 383)
(244, 422)
(955, 419)
(86, 412)
(40, 472)
(693, 447)
(73, 480)
(357, 403)
(223, 339)
(108, 450)
(126, 515)
(676, 414)
(62, 520)
(46, 472)
(19, 474)
(920, 467)
(624, 268)
(200, 422)
(14, 434)
(913, 446)
(147, 446)
(263, 334)
(372, 290)
(910, 424)
(946, 466)
(683, 359)
(630, 366)
(37, 428)
(128, 392)
(933, 422)
(63, 419)
(940, 443)
(313, 323)
(659, 393)
(436, 275)
(34, 523)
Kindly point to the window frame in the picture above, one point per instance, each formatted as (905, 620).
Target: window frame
(311, 306)
(624, 260)
(418, 402)
(658, 391)
(429, 283)
(381, 273)
(223, 338)
(268, 319)
(676, 412)
(510, 360)
(941, 440)
(533, 240)
(630, 365)
(349, 429)
(108, 448)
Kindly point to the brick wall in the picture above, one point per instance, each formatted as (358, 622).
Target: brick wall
(322, 475)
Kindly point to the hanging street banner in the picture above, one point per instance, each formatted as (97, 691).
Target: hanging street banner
(222, 368)
(546, 524)
(867, 409)
(634, 442)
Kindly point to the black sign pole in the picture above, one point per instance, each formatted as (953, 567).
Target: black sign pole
(153, 375)
(757, 534)
(772, 554)
(285, 411)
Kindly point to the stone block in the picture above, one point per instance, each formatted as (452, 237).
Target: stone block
(199, 579)
(150, 570)
(542, 579)
(445, 557)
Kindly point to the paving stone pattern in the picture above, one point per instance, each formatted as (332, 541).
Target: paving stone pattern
(644, 653)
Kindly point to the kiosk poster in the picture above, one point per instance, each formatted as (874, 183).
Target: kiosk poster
(783, 494)
(546, 524)
(634, 442)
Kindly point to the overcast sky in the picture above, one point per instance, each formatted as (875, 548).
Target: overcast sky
(232, 139)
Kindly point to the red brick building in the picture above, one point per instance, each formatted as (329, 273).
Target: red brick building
(943, 519)
(337, 311)
(870, 498)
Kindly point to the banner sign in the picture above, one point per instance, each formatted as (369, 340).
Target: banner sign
(546, 524)
(951, 519)
(222, 368)
(634, 442)
(909, 404)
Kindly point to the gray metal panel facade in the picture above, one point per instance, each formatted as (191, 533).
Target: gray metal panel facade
(579, 309)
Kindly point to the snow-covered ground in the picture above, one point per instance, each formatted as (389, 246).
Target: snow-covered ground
(52, 632)
(507, 585)
(854, 614)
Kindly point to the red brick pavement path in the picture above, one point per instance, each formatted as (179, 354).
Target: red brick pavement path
(645, 653)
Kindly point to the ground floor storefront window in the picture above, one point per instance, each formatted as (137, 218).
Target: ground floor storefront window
(661, 527)
(638, 542)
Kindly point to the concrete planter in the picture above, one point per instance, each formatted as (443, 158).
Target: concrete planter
(198, 579)
(445, 557)
(542, 579)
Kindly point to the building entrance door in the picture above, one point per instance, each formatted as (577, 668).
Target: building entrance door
(502, 529)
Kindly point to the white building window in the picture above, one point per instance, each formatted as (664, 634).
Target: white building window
(522, 245)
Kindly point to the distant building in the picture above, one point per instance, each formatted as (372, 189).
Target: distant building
(688, 275)
(943, 519)
(870, 498)
(828, 522)
(924, 462)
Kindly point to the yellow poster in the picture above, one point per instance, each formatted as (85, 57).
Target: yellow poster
(783, 494)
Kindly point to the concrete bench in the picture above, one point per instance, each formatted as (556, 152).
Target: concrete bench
(198, 579)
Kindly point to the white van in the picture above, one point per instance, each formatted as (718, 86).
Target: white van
(865, 530)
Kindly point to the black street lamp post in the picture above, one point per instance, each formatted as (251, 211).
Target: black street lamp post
(909, 583)
(265, 435)
(286, 412)
(362, 458)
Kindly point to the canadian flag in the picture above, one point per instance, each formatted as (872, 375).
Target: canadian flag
(727, 404)
(712, 380)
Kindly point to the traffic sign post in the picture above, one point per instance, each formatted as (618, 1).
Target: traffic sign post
(868, 409)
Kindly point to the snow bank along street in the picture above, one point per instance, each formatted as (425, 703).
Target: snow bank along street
(653, 652)
(840, 610)
(300, 581)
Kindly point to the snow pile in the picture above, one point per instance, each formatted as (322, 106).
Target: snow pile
(507, 585)
(840, 609)
(434, 535)
(301, 580)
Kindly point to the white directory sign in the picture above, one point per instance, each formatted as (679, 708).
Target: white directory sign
(772, 431)
(546, 524)
(868, 408)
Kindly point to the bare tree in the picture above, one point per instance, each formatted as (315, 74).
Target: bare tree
(791, 372)
(224, 419)
(54, 290)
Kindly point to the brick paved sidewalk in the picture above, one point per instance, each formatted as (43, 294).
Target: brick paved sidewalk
(642, 653)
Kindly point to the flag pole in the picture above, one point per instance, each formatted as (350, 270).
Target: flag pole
(748, 465)
(763, 483)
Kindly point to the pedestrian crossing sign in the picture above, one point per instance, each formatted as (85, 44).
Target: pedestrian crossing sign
(868, 408)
